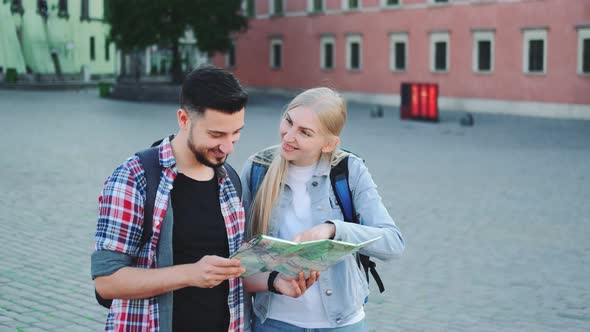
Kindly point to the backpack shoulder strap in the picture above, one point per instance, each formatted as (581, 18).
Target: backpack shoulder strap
(341, 187)
(234, 178)
(150, 159)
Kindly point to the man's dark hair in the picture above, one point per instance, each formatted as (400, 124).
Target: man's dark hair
(212, 87)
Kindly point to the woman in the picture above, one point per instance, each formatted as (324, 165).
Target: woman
(295, 201)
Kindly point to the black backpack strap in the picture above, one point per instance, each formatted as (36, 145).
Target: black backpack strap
(150, 159)
(341, 187)
(369, 266)
(234, 178)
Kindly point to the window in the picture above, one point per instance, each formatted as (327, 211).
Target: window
(399, 51)
(535, 51)
(440, 1)
(315, 6)
(84, 10)
(354, 52)
(390, 3)
(351, 4)
(42, 8)
(584, 51)
(536, 47)
(16, 6)
(251, 8)
(439, 52)
(230, 57)
(276, 53)
(483, 51)
(92, 51)
(327, 52)
(107, 49)
(277, 7)
(62, 8)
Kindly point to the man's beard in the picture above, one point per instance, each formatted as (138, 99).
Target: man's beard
(201, 154)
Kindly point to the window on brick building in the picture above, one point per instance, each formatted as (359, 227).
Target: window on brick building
(399, 51)
(354, 52)
(351, 4)
(277, 7)
(390, 3)
(327, 52)
(584, 50)
(316, 6)
(251, 8)
(439, 52)
(483, 51)
(276, 53)
(535, 51)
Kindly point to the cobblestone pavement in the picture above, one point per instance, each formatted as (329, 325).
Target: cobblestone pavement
(496, 216)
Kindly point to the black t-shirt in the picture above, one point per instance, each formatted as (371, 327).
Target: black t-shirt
(199, 230)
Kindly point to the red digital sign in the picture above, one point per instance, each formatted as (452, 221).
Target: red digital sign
(419, 101)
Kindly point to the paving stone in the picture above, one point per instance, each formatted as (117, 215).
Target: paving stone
(495, 216)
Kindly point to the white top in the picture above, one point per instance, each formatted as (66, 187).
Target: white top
(306, 311)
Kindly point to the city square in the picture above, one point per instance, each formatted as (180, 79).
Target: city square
(495, 216)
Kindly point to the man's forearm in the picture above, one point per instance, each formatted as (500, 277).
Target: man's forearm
(137, 283)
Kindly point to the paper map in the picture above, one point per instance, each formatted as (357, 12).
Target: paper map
(266, 253)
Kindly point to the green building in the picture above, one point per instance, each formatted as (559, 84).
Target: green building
(55, 39)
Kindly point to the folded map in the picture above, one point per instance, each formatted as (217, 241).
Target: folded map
(266, 253)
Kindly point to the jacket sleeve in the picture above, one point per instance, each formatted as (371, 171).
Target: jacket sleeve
(375, 220)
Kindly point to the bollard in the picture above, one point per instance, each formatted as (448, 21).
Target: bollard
(377, 111)
(467, 120)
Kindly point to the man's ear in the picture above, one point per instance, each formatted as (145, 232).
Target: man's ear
(331, 145)
(183, 119)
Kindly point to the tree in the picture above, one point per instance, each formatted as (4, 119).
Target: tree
(136, 24)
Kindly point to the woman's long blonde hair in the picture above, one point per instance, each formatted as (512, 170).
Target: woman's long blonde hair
(331, 111)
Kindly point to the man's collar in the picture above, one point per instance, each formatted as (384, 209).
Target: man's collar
(166, 156)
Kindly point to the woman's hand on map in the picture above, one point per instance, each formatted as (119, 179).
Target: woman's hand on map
(326, 230)
(295, 287)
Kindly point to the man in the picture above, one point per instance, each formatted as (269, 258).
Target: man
(181, 279)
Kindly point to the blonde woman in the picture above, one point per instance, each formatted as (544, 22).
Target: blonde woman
(295, 201)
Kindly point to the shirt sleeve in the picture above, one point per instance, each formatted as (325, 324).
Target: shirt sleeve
(119, 226)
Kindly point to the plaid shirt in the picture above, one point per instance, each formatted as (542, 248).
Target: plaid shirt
(119, 229)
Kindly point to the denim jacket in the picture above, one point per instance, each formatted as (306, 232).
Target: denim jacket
(343, 286)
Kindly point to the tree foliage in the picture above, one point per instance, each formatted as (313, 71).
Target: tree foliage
(136, 24)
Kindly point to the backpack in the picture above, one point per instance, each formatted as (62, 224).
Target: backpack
(341, 188)
(150, 159)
